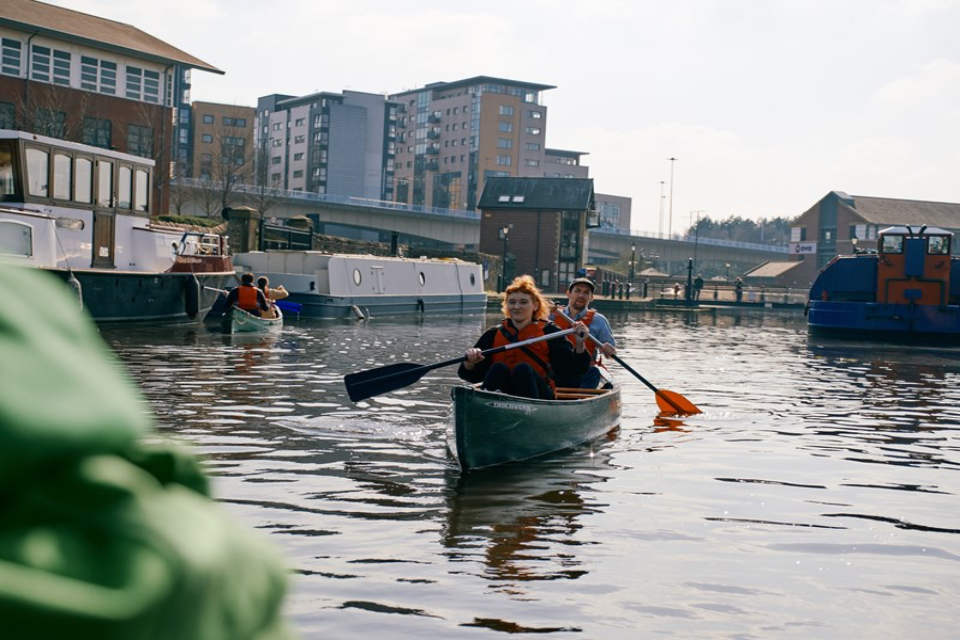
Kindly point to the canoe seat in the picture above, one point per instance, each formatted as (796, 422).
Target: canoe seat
(572, 393)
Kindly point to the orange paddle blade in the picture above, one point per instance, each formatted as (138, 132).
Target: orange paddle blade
(674, 403)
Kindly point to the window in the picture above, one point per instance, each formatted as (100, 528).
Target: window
(938, 245)
(134, 83)
(125, 188)
(62, 176)
(506, 110)
(96, 132)
(207, 138)
(12, 55)
(140, 140)
(504, 161)
(207, 118)
(61, 67)
(104, 183)
(299, 139)
(141, 188)
(506, 127)
(532, 146)
(50, 123)
(40, 63)
(151, 86)
(98, 75)
(505, 143)
(891, 244)
(16, 238)
(8, 116)
(83, 182)
(298, 174)
(298, 156)
(38, 173)
(299, 122)
(534, 131)
(277, 126)
(531, 163)
(536, 114)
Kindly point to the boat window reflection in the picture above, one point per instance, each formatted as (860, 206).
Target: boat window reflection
(938, 245)
(38, 172)
(892, 244)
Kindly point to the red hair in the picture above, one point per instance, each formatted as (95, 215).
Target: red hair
(525, 284)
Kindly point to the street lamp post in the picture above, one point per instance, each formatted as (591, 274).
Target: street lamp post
(728, 271)
(670, 224)
(504, 233)
(633, 258)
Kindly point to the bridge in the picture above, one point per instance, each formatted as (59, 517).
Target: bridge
(378, 220)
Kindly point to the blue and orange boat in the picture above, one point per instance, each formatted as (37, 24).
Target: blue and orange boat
(908, 289)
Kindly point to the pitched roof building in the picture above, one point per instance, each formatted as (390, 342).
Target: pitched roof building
(839, 221)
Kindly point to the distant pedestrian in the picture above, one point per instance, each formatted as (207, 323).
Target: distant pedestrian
(697, 286)
(738, 288)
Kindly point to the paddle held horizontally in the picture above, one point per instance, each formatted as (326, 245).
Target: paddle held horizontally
(669, 401)
(374, 382)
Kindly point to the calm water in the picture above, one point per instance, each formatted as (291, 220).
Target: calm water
(815, 497)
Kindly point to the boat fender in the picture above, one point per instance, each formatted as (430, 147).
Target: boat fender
(191, 296)
(74, 285)
(357, 312)
(420, 305)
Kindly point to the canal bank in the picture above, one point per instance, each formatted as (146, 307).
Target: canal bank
(605, 304)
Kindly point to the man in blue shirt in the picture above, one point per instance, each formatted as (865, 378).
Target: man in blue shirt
(579, 297)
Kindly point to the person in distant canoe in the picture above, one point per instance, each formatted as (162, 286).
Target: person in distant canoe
(279, 293)
(579, 297)
(526, 371)
(247, 296)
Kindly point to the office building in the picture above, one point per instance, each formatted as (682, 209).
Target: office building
(339, 144)
(451, 136)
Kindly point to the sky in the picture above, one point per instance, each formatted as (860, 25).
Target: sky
(767, 105)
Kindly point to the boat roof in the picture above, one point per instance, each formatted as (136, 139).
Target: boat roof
(915, 230)
(11, 134)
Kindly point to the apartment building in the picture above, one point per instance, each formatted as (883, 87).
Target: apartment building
(340, 144)
(222, 142)
(452, 136)
(83, 78)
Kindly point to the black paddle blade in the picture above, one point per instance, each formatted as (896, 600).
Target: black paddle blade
(373, 382)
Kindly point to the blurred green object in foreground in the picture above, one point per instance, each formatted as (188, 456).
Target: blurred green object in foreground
(102, 536)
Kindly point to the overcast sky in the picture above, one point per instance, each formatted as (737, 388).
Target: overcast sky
(766, 104)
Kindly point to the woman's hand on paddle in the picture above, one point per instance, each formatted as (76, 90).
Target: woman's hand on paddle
(608, 349)
(473, 356)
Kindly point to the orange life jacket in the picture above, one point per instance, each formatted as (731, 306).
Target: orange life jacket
(540, 358)
(247, 298)
(590, 345)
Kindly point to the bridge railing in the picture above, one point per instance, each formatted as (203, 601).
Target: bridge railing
(309, 196)
(616, 231)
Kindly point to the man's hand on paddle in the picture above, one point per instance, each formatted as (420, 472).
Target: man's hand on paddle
(473, 356)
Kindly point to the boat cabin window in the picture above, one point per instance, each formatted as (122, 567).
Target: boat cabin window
(938, 245)
(891, 244)
(16, 238)
(38, 172)
(105, 184)
(8, 182)
(125, 188)
(83, 185)
(142, 191)
(62, 176)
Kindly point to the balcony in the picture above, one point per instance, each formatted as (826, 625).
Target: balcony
(431, 165)
(433, 149)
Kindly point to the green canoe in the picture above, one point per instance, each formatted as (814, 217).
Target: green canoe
(236, 320)
(492, 428)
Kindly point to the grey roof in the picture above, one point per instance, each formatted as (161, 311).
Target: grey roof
(469, 82)
(92, 31)
(891, 211)
(772, 269)
(538, 194)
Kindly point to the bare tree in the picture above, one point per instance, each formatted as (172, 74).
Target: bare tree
(223, 172)
(265, 191)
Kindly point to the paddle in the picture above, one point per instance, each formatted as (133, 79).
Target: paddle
(669, 401)
(373, 382)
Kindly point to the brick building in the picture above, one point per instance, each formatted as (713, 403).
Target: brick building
(78, 77)
(540, 224)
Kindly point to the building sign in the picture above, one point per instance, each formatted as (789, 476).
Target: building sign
(803, 248)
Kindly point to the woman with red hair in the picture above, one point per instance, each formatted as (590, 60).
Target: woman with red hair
(526, 371)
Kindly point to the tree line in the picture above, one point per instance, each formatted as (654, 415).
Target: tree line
(774, 231)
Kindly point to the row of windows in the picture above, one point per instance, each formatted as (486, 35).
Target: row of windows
(227, 121)
(55, 66)
(85, 180)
